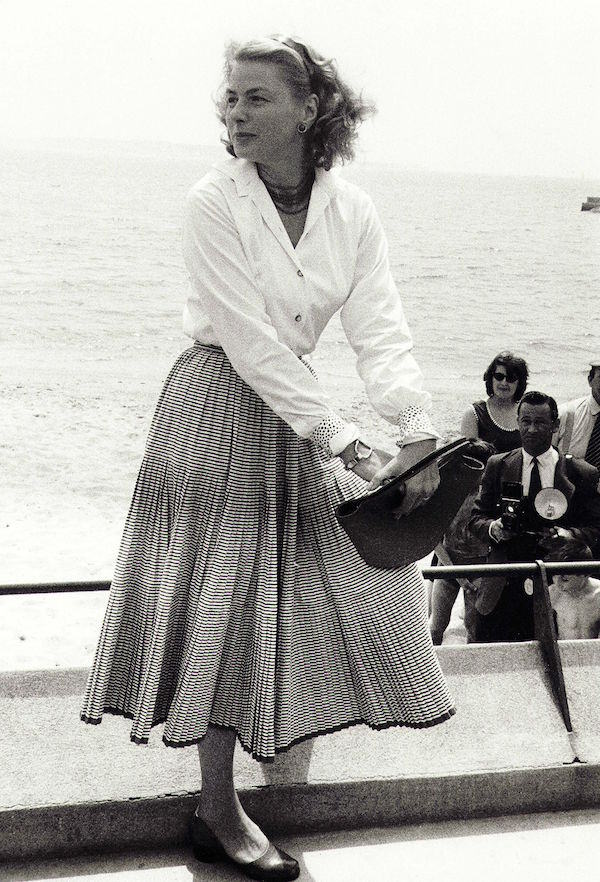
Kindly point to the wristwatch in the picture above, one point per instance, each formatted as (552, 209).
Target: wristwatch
(361, 451)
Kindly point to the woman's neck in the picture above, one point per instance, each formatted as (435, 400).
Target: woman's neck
(288, 175)
(502, 403)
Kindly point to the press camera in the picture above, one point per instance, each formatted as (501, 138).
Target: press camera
(513, 507)
(515, 511)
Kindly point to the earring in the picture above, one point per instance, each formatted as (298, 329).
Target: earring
(301, 128)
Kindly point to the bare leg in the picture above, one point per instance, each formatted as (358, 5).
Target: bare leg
(443, 595)
(219, 806)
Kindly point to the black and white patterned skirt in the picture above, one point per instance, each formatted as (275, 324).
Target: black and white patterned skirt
(238, 600)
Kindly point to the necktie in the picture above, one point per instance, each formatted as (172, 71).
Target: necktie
(592, 454)
(535, 483)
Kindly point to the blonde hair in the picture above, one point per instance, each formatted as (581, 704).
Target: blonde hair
(340, 111)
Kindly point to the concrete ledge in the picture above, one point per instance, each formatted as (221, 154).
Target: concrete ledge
(68, 788)
(124, 825)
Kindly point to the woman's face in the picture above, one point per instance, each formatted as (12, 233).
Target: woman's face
(504, 383)
(262, 115)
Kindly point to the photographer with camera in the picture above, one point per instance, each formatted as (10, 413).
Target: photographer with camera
(528, 497)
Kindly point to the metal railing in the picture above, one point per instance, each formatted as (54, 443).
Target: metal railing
(466, 570)
(538, 571)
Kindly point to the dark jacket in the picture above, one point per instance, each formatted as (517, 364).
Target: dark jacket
(577, 479)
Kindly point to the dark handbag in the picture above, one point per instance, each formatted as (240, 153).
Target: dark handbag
(386, 541)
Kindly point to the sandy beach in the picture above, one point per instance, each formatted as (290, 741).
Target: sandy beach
(73, 440)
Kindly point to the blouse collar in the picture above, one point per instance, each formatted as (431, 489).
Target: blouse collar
(248, 184)
(244, 174)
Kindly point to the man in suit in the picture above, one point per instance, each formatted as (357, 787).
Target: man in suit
(579, 422)
(517, 532)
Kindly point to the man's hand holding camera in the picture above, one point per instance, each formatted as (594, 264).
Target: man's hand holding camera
(502, 531)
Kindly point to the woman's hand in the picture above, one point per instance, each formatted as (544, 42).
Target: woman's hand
(418, 489)
(366, 468)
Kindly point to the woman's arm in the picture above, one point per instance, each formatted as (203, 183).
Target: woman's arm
(224, 283)
(376, 328)
(469, 425)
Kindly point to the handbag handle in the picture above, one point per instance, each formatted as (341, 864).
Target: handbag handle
(396, 486)
(439, 455)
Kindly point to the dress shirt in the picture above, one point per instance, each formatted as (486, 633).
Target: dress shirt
(546, 465)
(584, 410)
(266, 303)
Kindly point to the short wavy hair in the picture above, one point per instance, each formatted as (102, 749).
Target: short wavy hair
(515, 366)
(332, 136)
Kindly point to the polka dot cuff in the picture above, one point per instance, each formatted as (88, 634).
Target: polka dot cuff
(414, 421)
(333, 434)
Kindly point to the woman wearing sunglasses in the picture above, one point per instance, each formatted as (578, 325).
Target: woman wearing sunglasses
(495, 419)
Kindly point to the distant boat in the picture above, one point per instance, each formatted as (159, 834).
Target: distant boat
(592, 203)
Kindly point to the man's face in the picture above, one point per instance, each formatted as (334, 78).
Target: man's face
(536, 427)
(594, 382)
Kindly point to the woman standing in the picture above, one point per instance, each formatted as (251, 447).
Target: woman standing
(239, 607)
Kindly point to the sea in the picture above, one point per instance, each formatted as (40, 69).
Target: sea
(92, 284)
(91, 245)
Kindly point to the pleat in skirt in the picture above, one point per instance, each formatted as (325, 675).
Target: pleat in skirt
(238, 600)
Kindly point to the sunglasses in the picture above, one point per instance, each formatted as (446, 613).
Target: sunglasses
(510, 378)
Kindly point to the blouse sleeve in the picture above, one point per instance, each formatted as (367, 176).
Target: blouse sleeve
(376, 328)
(223, 280)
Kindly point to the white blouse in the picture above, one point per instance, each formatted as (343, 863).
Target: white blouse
(266, 303)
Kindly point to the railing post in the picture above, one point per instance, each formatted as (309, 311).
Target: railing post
(545, 632)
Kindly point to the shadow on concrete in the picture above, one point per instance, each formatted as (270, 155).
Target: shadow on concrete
(471, 827)
(179, 865)
(176, 863)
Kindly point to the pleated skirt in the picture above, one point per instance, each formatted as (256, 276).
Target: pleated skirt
(238, 600)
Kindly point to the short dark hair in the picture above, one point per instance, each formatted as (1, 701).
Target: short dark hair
(514, 365)
(593, 369)
(568, 549)
(537, 398)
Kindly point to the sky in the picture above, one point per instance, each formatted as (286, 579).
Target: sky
(477, 86)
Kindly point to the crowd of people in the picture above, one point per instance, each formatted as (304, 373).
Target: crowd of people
(539, 498)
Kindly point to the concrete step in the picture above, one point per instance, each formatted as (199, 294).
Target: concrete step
(68, 788)
(537, 848)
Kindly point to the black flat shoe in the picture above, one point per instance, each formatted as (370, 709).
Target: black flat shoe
(274, 864)
(205, 845)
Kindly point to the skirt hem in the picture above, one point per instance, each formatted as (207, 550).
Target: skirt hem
(330, 730)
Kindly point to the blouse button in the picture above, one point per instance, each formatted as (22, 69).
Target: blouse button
(300, 273)
(298, 318)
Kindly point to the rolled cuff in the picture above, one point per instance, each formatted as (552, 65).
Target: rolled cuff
(333, 434)
(415, 424)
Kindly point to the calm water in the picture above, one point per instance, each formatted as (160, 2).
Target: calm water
(90, 241)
